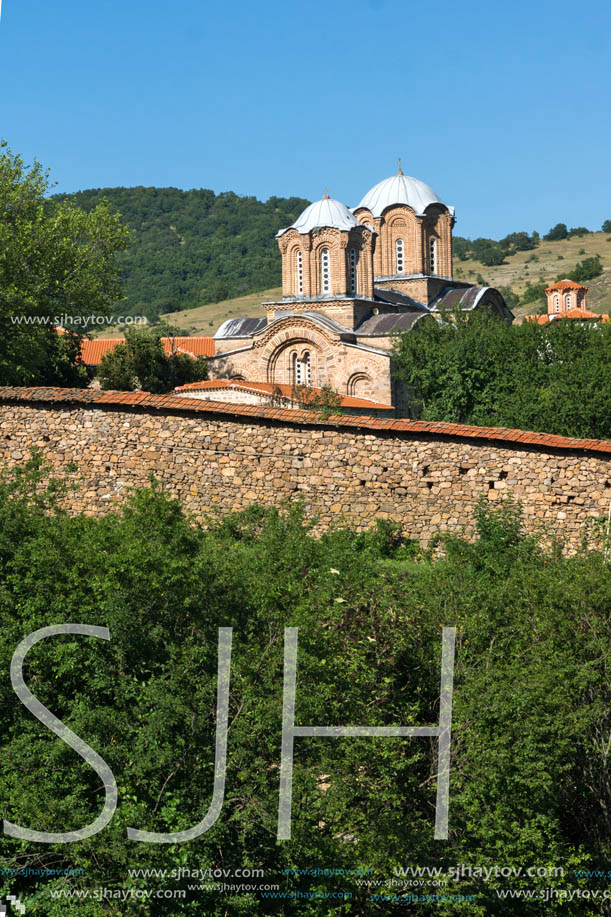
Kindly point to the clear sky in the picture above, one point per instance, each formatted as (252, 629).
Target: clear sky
(504, 108)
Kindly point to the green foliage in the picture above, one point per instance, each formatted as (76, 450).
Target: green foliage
(510, 296)
(142, 363)
(533, 292)
(194, 247)
(531, 705)
(57, 262)
(488, 252)
(326, 401)
(585, 270)
(557, 232)
(519, 242)
(461, 247)
(606, 227)
(578, 231)
(554, 377)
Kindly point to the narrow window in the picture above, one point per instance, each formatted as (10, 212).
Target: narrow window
(556, 304)
(433, 256)
(306, 369)
(353, 271)
(325, 271)
(294, 369)
(299, 274)
(569, 302)
(298, 372)
(399, 253)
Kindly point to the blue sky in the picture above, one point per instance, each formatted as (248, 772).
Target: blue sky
(503, 109)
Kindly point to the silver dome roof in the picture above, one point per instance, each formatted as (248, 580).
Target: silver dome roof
(400, 189)
(326, 212)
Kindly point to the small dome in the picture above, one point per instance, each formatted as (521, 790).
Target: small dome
(326, 212)
(400, 189)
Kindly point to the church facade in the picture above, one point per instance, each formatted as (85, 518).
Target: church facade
(351, 280)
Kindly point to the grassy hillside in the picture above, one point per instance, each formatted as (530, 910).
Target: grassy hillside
(206, 319)
(544, 264)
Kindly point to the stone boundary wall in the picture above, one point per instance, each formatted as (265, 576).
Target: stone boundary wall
(216, 457)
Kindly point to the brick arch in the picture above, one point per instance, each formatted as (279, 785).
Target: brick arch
(365, 217)
(360, 385)
(297, 335)
(279, 366)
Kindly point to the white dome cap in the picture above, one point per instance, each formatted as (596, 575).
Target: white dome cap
(400, 189)
(326, 212)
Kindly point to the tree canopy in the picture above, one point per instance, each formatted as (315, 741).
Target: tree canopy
(553, 377)
(142, 363)
(57, 263)
(194, 247)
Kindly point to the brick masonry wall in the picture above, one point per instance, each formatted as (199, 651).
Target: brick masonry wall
(220, 458)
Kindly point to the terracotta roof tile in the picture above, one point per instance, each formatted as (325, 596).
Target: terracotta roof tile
(92, 351)
(174, 403)
(565, 285)
(272, 388)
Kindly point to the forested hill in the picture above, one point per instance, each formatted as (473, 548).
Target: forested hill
(195, 247)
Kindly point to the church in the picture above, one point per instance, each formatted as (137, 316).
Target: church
(351, 280)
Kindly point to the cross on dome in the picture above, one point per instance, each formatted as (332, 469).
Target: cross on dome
(399, 165)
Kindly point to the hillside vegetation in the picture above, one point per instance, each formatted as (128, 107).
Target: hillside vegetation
(544, 264)
(194, 247)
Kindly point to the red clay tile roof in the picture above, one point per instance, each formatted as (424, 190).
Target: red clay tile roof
(272, 388)
(93, 351)
(565, 285)
(152, 403)
(581, 314)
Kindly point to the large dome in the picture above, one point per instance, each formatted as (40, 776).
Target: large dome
(326, 212)
(399, 189)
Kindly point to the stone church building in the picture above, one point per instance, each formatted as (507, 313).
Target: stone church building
(351, 279)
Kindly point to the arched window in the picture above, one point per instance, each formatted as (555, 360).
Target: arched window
(353, 270)
(400, 256)
(556, 303)
(569, 302)
(299, 274)
(298, 371)
(301, 369)
(325, 271)
(433, 256)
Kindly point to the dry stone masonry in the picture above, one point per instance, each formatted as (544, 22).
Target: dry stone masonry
(220, 458)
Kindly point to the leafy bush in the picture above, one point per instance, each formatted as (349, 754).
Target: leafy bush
(142, 363)
(530, 710)
(557, 232)
(533, 292)
(586, 270)
(477, 370)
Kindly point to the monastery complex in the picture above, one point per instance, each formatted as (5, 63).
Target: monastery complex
(350, 279)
